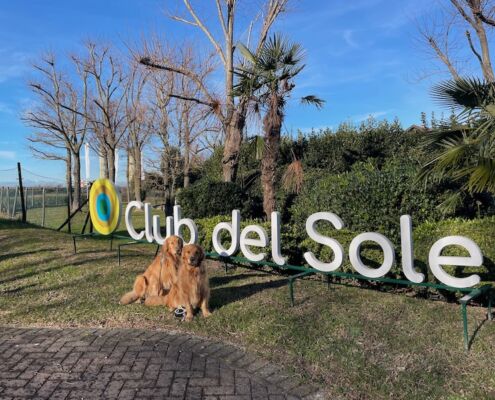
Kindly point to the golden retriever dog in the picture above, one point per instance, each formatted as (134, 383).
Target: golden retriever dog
(192, 290)
(160, 276)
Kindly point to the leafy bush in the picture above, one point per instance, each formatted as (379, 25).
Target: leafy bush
(206, 199)
(372, 141)
(369, 199)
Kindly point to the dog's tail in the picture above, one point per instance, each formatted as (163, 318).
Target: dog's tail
(129, 298)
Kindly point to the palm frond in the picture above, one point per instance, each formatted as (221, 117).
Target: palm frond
(469, 93)
(313, 100)
(293, 177)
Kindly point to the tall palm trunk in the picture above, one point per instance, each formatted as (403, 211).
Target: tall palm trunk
(233, 141)
(272, 125)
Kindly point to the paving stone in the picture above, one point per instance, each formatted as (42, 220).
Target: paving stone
(135, 364)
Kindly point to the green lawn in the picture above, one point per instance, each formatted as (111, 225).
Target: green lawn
(357, 343)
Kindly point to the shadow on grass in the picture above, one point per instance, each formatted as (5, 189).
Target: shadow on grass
(475, 333)
(45, 270)
(223, 296)
(222, 280)
(8, 256)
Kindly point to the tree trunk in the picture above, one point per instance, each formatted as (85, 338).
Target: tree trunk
(233, 141)
(111, 164)
(103, 162)
(165, 166)
(130, 174)
(187, 155)
(68, 172)
(272, 124)
(76, 176)
(137, 173)
(486, 64)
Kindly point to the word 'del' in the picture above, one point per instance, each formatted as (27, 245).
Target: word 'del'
(255, 236)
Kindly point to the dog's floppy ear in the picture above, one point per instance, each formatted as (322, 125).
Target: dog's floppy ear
(181, 242)
(168, 244)
(202, 254)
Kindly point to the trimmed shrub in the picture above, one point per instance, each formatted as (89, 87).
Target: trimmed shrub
(369, 199)
(206, 199)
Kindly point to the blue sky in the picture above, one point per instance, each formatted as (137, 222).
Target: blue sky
(362, 58)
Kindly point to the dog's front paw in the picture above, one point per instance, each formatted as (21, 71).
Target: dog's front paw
(206, 313)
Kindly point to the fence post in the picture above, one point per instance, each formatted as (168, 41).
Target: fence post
(14, 206)
(43, 209)
(8, 201)
(32, 197)
(21, 193)
(69, 201)
(1, 199)
(56, 197)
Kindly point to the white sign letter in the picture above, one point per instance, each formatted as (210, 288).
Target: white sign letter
(388, 254)
(276, 253)
(128, 220)
(336, 247)
(148, 222)
(436, 260)
(261, 241)
(406, 242)
(179, 222)
(234, 230)
(156, 230)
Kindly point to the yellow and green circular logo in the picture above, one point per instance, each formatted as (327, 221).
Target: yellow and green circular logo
(104, 206)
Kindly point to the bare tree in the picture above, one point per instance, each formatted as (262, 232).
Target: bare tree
(231, 113)
(59, 120)
(184, 109)
(472, 17)
(140, 118)
(106, 112)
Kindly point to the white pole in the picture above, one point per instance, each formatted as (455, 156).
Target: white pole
(15, 202)
(142, 166)
(86, 161)
(43, 209)
(116, 165)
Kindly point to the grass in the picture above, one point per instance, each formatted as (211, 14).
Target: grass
(356, 343)
(55, 216)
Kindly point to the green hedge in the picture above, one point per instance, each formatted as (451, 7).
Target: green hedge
(367, 198)
(206, 199)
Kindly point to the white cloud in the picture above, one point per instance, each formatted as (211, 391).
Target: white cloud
(5, 109)
(348, 38)
(12, 65)
(374, 115)
(7, 155)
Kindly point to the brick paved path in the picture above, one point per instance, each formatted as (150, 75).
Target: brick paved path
(133, 364)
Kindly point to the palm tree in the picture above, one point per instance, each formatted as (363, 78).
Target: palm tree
(465, 151)
(266, 78)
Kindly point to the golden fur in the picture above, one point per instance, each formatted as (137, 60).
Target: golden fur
(161, 274)
(192, 290)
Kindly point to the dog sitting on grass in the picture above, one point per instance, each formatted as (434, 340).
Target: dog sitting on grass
(160, 276)
(192, 290)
